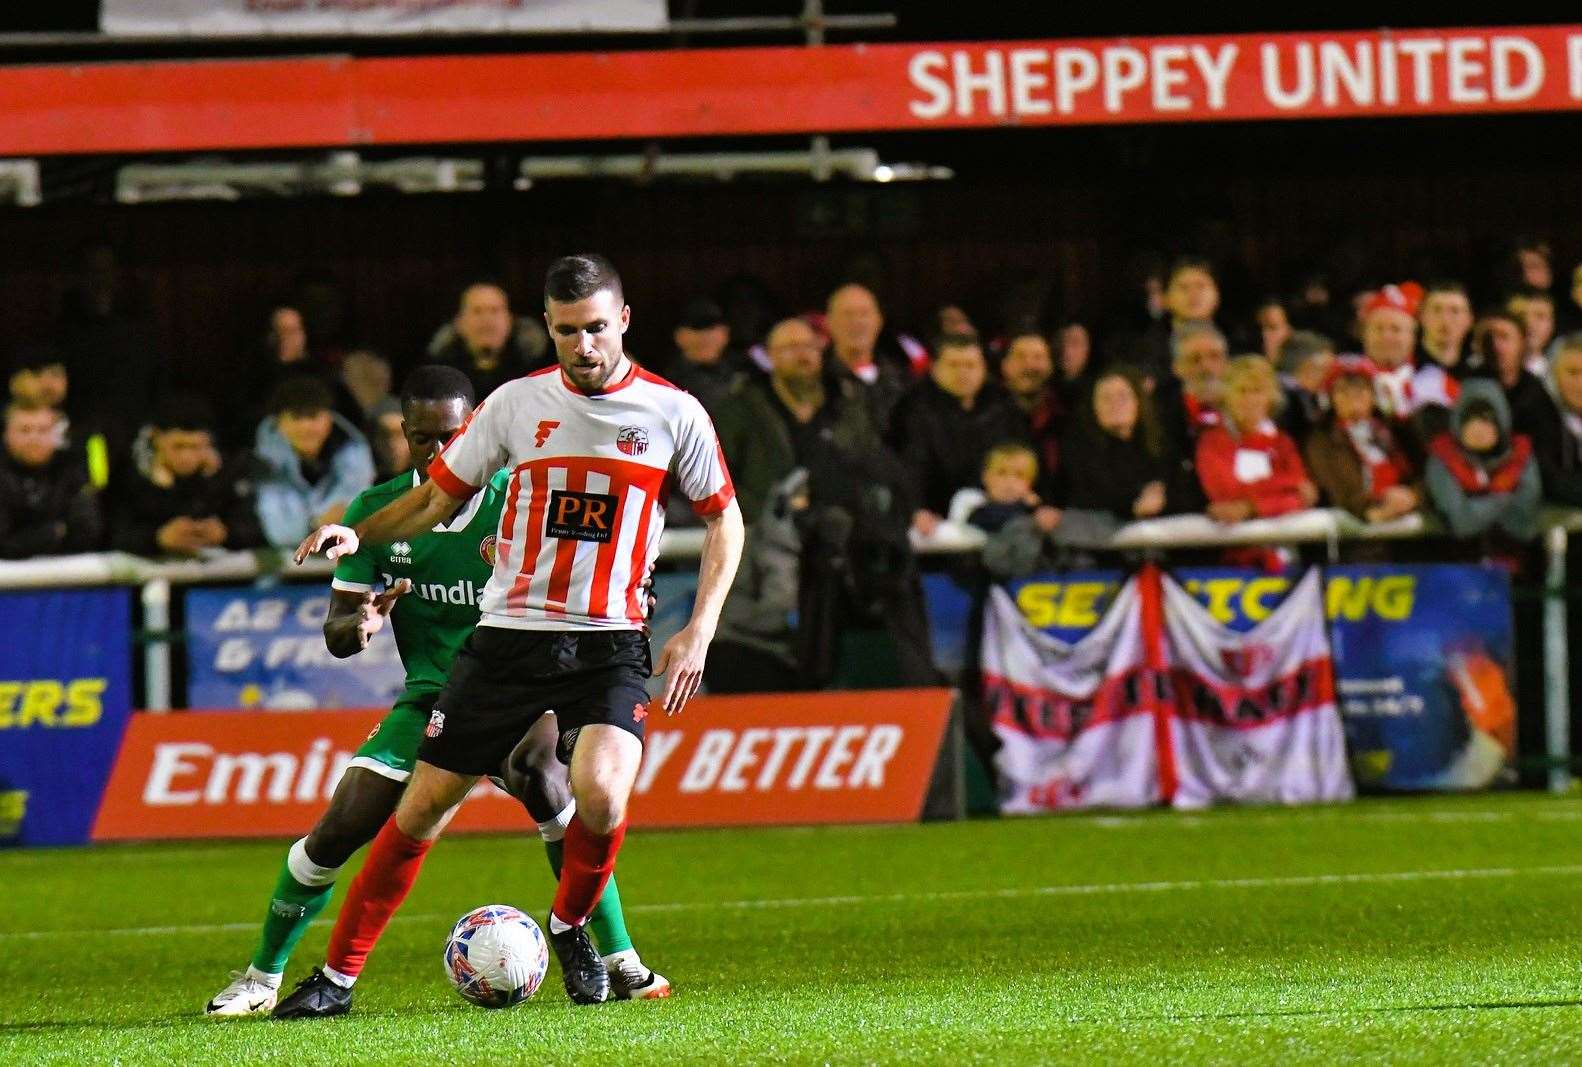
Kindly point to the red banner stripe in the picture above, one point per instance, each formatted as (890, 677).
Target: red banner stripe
(239, 104)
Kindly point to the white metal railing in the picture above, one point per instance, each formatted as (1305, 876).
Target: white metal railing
(1327, 526)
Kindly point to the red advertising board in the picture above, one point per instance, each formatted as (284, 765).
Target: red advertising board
(727, 761)
(194, 105)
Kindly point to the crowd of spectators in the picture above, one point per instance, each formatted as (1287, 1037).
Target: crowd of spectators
(1400, 400)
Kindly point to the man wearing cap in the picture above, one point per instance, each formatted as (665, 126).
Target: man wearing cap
(704, 363)
(1389, 339)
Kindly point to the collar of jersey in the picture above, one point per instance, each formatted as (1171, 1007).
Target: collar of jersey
(463, 517)
(631, 376)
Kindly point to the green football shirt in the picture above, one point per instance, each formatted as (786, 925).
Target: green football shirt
(447, 566)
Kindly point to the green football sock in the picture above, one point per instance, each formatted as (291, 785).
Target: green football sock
(292, 907)
(607, 922)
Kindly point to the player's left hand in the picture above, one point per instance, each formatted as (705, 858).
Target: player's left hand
(681, 662)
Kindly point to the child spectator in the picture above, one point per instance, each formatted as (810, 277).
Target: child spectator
(1482, 477)
(1009, 472)
(178, 496)
(310, 461)
(1019, 525)
(1115, 452)
(1353, 455)
(47, 506)
(1247, 466)
(1304, 360)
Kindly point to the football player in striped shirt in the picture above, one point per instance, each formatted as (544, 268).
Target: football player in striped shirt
(595, 446)
(426, 588)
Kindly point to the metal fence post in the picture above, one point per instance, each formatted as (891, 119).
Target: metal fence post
(156, 650)
(1557, 665)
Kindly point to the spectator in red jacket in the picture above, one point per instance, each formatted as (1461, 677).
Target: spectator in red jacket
(1247, 466)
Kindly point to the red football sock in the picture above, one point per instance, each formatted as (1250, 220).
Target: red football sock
(378, 890)
(586, 867)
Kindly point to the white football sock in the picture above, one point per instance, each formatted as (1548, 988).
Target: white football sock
(343, 980)
(558, 927)
(555, 829)
(263, 977)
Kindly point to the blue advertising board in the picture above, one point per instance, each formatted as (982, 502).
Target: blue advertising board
(65, 696)
(1423, 657)
(264, 648)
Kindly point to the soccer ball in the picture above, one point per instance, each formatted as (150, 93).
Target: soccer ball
(496, 956)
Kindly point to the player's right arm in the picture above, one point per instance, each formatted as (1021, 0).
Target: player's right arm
(354, 618)
(467, 462)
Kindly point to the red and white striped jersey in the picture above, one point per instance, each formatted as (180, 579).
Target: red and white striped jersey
(590, 476)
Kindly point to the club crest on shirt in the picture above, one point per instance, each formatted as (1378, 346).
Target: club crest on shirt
(632, 440)
(488, 548)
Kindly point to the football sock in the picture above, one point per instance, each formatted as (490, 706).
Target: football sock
(394, 860)
(588, 863)
(301, 890)
(608, 921)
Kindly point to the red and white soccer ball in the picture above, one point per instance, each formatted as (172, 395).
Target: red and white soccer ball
(496, 956)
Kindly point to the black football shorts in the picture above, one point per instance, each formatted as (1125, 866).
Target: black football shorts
(503, 680)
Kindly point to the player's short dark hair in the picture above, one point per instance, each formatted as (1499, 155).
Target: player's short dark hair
(301, 394)
(436, 383)
(572, 278)
(183, 411)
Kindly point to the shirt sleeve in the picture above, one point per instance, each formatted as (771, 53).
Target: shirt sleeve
(471, 457)
(700, 469)
(358, 572)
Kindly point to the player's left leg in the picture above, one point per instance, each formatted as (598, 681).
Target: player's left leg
(536, 777)
(604, 764)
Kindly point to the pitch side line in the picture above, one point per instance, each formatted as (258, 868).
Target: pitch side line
(1080, 889)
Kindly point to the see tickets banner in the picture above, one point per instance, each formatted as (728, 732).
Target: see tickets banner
(726, 761)
(300, 102)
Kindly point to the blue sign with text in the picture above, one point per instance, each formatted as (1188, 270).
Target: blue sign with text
(65, 696)
(264, 648)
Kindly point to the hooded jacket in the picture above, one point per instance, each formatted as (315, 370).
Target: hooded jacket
(1478, 494)
(287, 501)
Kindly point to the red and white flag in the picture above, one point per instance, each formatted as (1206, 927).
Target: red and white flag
(1076, 722)
(1252, 715)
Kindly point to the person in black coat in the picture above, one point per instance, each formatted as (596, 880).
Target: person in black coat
(47, 506)
(178, 496)
(487, 343)
(1556, 428)
(946, 424)
(1115, 452)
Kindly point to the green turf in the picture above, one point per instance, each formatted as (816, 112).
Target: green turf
(1406, 931)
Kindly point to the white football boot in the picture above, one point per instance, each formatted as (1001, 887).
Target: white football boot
(248, 994)
(630, 980)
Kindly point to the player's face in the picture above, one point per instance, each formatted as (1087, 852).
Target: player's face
(587, 335)
(427, 425)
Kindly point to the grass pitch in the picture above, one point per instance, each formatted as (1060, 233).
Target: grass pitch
(1406, 931)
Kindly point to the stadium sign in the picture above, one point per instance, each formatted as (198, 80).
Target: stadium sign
(65, 696)
(340, 101)
(728, 761)
(263, 18)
